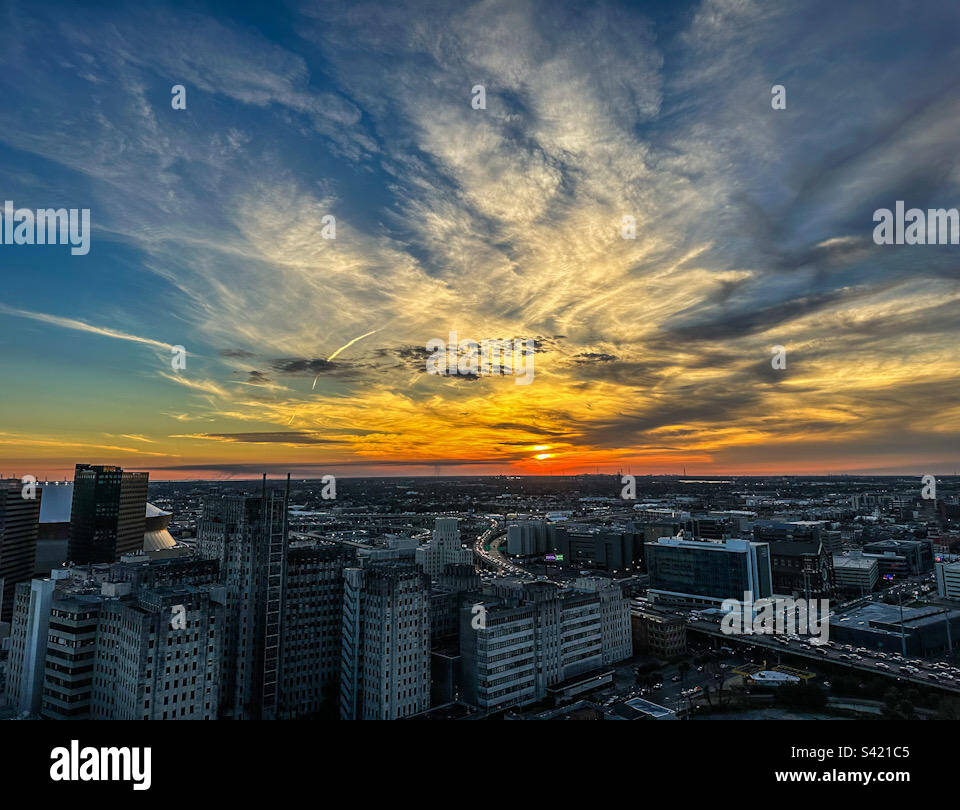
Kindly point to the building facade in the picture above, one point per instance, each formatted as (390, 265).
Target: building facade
(19, 528)
(385, 648)
(703, 573)
(107, 514)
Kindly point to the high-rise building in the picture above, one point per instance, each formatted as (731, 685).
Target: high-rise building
(19, 526)
(385, 670)
(704, 573)
(248, 535)
(855, 573)
(100, 641)
(528, 637)
(158, 655)
(108, 513)
(70, 655)
(312, 631)
(28, 641)
(443, 548)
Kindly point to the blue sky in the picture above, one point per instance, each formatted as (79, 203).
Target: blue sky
(753, 230)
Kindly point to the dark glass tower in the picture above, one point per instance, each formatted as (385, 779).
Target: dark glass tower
(108, 513)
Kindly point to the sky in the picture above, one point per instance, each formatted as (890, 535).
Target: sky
(754, 229)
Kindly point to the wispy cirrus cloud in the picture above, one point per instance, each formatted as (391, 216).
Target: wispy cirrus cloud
(753, 225)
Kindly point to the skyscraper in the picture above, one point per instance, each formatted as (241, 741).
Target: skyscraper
(108, 513)
(248, 536)
(385, 671)
(312, 631)
(19, 525)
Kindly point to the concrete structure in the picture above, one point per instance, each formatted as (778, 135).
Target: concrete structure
(528, 539)
(312, 630)
(28, 642)
(443, 548)
(385, 648)
(948, 580)
(586, 547)
(58, 633)
(536, 635)
(855, 573)
(248, 537)
(703, 573)
(19, 528)
(147, 666)
(901, 558)
(802, 569)
(659, 634)
(920, 632)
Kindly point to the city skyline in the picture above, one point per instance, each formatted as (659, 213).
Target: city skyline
(306, 353)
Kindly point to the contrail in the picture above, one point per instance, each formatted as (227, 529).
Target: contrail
(344, 346)
(348, 345)
(81, 326)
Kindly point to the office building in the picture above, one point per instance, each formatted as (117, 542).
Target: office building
(443, 548)
(107, 515)
(901, 558)
(537, 635)
(248, 536)
(385, 649)
(71, 650)
(28, 642)
(703, 573)
(948, 580)
(68, 641)
(854, 573)
(158, 654)
(655, 633)
(312, 631)
(19, 528)
(601, 549)
(528, 538)
(802, 569)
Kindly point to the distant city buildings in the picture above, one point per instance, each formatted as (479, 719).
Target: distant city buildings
(351, 614)
(443, 549)
(661, 635)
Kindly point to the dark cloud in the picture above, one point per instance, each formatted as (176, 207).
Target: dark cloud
(273, 437)
(305, 367)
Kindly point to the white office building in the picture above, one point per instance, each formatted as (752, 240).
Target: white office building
(443, 548)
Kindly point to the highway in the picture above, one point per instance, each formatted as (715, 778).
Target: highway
(927, 673)
(493, 558)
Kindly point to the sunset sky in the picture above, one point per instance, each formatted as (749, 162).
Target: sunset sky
(753, 229)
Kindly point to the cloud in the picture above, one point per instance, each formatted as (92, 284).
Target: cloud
(80, 326)
(752, 225)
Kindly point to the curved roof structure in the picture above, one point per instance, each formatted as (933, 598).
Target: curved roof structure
(57, 500)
